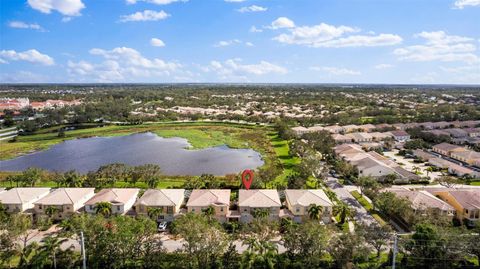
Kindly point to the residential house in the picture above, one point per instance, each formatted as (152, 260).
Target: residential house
(121, 200)
(334, 129)
(467, 156)
(339, 138)
(167, 201)
(367, 127)
(466, 203)
(370, 167)
(439, 162)
(437, 132)
(360, 137)
(200, 200)
(377, 136)
(300, 130)
(427, 125)
(300, 201)
(400, 136)
(350, 128)
(423, 201)
(462, 171)
(423, 155)
(456, 133)
(382, 126)
(18, 200)
(65, 201)
(252, 201)
(440, 125)
(446, 148)
(473, 132)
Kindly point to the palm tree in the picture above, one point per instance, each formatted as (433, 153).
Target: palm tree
(315, 212)
(50, 246)
(104, 208)
(343, 210)
(154, 212)
(416, 169)
(429, 170)
(51, 210)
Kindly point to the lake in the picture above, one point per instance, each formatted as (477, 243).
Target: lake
(171, 154)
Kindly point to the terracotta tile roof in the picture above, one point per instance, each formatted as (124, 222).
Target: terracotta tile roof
(64, 196)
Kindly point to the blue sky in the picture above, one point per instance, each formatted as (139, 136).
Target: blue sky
(287, 41)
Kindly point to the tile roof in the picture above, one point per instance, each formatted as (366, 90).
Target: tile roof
(209, 197)
(162, 197)
(421, 199)
(23, 195)
(64, 196)
(114, 196)
(307, 197)
(258, 198)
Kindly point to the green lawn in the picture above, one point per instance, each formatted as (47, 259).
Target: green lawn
(283, 153)
(369, 207)
(475, 183)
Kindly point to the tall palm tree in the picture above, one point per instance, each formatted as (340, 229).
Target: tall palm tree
(154, 212)
(315, 212)
(104, 208)
(50, 245)
(429, 170)
(416, 169)
(343, 210)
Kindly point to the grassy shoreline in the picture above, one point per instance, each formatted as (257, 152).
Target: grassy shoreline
(199, 134)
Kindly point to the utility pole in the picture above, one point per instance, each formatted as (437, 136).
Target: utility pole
(82, 245)
(394, 256)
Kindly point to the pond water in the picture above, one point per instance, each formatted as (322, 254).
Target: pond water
(172, 154)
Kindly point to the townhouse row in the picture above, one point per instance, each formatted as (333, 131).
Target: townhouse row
(368, 128)
(167, 204)
(458, 153)
(462, 204)
(372, 163)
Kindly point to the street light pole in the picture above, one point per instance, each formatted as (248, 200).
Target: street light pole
(394, 256)
(82, 245)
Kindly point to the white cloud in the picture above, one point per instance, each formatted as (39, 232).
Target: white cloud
(234, 69)
(330, 36)
(235, 1)
(460, 4)
(156, 2)
(249, 44)
(254, 29)
(225, 43)
(22, 77)
(32, 56)
(440, 47)
(252, 8)
(463, 74)
(157, 42)
(66, 19)
(146, 15)
(281, 22)
(24, 25)
(383, 66)
(122, 64)
(336, 71)
(65, 7)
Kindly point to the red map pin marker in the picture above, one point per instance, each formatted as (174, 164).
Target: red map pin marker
(247, 178)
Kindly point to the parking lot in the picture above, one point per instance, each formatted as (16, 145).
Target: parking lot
(409, 164)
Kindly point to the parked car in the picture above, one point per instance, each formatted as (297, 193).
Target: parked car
(162, 226)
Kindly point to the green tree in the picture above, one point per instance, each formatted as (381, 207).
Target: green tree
(51, 211)
(343, 210)
(103, 208)
(315, 212)
(376, 236)
(306, 243)
(155, 212)
(344, 248)
(205, 242)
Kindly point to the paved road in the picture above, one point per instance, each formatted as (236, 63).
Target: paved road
(343, 194)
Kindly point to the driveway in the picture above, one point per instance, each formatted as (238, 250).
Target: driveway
(343, 194)
(408, 164)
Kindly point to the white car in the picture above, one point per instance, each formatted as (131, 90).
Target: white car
(162, 226)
